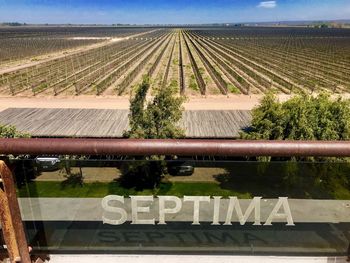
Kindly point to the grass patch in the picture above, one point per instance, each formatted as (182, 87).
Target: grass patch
(216, 92)
(204, 189)
(240, 79)
(40, 88)
(244, 180)
(233, 89)
(55, 189)
(193, 84)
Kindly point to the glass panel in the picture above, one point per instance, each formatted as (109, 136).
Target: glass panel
(107, 205)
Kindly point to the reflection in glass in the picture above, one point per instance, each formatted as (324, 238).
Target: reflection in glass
(63, 212)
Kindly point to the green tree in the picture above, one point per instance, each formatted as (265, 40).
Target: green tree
(137, 121)
(267, 120)
(24, 171)
(159, 119)
(163, 115)
(302, 117)
(306, 117)
(7, 131)
(298, 119)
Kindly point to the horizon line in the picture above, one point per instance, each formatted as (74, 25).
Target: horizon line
(182, 24)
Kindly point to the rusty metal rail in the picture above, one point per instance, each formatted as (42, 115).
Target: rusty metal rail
(136, 147)
(10, 217)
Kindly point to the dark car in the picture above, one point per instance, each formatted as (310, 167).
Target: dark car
(180, 169)
(48, 163)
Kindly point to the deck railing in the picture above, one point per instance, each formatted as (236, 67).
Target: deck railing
(183, 147)
(12, 225)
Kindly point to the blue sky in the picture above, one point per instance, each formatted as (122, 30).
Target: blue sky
(170, 12)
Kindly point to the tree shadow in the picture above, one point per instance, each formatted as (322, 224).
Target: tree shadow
(164, 188)
(24, 172)
(141, 175)
(73, 179)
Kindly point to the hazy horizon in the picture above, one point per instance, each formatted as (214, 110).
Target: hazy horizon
(178, 12)
(174, 25)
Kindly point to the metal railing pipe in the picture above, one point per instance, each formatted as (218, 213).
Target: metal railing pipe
(185, 147)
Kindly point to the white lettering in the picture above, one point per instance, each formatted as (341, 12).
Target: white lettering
(216, 213)
(135, 209)
(196, 201)
(234, 205)
(108, 208)
(163, 210)
(115, 211)
(282, 202)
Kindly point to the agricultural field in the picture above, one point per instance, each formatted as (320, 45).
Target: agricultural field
(28, 42)
(199, 61)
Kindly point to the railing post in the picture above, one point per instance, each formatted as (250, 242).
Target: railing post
(7, 228)
(10, 216)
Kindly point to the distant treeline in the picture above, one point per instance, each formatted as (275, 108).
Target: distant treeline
(13, 24)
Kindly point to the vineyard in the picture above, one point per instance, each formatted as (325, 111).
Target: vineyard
(200, 61)
(28, 42)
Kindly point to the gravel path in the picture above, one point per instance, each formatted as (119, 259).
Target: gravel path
(220, 102)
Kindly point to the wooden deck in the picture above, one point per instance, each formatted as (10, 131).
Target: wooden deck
(215, 123)
(109, 123)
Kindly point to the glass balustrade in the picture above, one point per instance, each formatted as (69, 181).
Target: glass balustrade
(104, 204)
